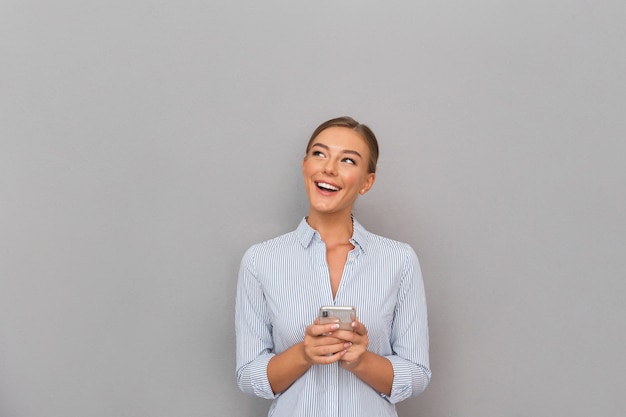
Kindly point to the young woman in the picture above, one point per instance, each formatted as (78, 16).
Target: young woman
(283, 352)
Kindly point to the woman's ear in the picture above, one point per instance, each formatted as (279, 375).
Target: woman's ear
(369, 182)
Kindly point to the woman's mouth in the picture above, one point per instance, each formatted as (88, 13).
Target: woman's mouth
(324, 186)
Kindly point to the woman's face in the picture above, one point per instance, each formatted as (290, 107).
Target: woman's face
(335, 171)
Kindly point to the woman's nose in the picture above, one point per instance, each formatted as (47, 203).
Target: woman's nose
(330, 167)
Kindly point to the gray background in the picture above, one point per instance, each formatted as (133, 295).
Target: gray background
(146, 144)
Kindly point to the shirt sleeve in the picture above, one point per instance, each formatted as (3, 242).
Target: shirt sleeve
(253, 328)
(409, 335)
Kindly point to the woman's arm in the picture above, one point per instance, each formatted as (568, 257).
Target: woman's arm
(373, 369)
(405, 372)
(286, 367)
(409, 334)
(376, 371)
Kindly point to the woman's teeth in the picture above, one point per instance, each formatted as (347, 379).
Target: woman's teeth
(326, 186)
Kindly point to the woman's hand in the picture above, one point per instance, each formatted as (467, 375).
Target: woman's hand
(358, 345)
(323, 343)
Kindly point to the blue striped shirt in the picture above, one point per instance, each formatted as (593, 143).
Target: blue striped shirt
(283, 282)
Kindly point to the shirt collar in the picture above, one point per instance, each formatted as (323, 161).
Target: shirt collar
(359, 236)
(306, 233)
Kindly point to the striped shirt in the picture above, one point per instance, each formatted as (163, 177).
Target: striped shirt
(283, 282)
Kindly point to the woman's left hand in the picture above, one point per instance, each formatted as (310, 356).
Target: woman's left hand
(359, 340)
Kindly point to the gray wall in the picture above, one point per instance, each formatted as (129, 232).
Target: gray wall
(145, 145)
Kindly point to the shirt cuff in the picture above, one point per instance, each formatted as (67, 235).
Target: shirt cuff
(255, 380)
(404, 382)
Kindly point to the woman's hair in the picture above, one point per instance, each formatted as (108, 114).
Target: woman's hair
(364, 131)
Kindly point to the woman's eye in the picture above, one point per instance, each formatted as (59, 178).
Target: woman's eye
(317, 153)
(350, 161)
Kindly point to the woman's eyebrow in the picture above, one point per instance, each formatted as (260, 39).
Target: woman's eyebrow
(348, 151)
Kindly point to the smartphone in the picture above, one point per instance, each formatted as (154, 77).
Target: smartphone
(344, 315)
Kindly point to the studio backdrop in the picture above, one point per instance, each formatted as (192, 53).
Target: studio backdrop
(144, 146)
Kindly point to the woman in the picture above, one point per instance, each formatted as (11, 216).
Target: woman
(313, 369)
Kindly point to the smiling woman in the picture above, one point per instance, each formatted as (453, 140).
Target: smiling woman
(310, 368)
(335, 171)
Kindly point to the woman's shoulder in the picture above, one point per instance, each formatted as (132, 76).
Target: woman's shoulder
(395, 254)
(388, 250)
(386, 244)
(380, 242)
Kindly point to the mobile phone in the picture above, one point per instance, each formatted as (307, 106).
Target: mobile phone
(344, 315)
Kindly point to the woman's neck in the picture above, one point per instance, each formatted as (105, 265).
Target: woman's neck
(333, 228)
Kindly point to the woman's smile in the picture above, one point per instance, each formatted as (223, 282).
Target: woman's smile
(325, 186)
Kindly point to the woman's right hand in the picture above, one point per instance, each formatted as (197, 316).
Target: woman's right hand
(321, 345)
